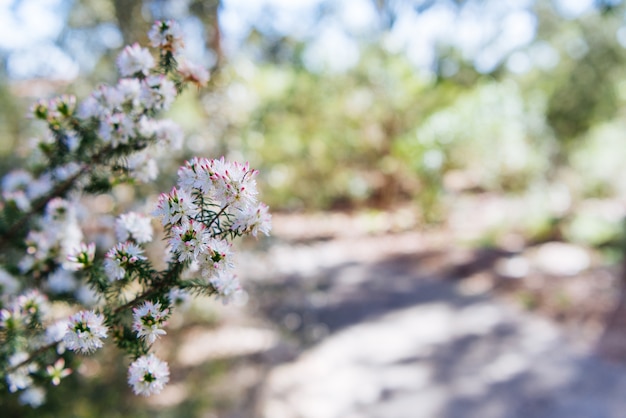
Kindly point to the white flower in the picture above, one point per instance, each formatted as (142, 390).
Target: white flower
(102, 103)
(148, 320)
(147, 375)
(33, 304)
(226, 285)
(166, 35)
(129, 89)
(134, 59)
(63, 105)
(157, 92)
(64, 172)
(111, 98)
(39, 186)
(192, 72)
(176, 207)
(60, 233)
(229, 183)
(58, 211)
(40, 245)
(121, 257)
(80, 257)
(189, 240)
(19, 198)
(85, 331)
(133, 225)
(89, 108)
(236, 185)
(142, 167)
(11, 317)
(58, 371)
(33, 396)
(252, 220)
(20, 378)
(16, 180)
(56, 331)
(194, 174)
(179, 298)
(169, 135)
(14, 186)
(117, 128)
(216, 259)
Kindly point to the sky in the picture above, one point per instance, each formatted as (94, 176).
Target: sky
(28, 29)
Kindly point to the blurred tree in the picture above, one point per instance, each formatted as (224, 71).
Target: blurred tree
(583, 92)
(362, 128)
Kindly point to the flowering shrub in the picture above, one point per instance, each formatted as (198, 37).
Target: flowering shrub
(114, 295)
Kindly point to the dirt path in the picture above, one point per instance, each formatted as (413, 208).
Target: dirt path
(406, 326)
(403, 346)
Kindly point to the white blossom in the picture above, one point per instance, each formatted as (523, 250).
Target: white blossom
(134, 59)
(226, 285)
(34, 396)
(120, 258)
(189, 240)
(39, 186)
(14, 186)
(20, 378)
(214, 201)
(130, 90)
(236, 185)
(80, 257)
(194, 174)
(218, 258)
(12, 317)
(166, 35)
(179, 298)
(117, 128)
(252, 220)
(135, 226)
(148, 375)
(89, 108)
(102, 103)
(16, 180)
(55, 333)
(85, 331)
(58, 212)
(32, 304)
(58, 371)
(169, 135)
(157, 92)
(148, 320)
(64, 172)
(142, 167)
(192, 72)
(176, 207)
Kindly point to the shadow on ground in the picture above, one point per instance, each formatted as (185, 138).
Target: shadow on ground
(399, 338)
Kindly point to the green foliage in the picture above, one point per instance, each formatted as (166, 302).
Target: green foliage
(337, 130)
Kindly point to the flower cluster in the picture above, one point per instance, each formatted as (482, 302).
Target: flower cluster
(148, 374)
(148, 320)
(214, 200)
(85, 331)
(121, 258)
(116, 294)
